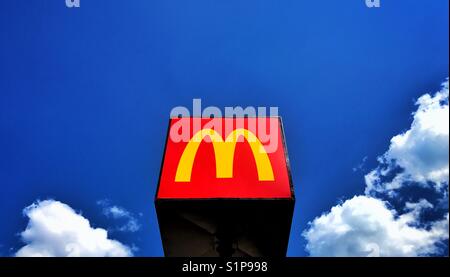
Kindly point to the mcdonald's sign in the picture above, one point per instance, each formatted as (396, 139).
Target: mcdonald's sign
(230, 178)
(226, 164)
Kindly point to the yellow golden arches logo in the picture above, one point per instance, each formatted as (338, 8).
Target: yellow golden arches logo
(224, 155)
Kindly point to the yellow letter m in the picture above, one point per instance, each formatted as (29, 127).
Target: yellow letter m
(224, 155)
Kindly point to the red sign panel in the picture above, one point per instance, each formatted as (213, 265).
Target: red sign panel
(224, 158)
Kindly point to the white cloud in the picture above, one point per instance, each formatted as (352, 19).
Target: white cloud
(365, 226)
(422, 151)
(361, 165)
(417, 208)
(55, 229)
(117, 212)
(131, 223)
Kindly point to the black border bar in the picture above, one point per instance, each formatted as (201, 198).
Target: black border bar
(284, 266)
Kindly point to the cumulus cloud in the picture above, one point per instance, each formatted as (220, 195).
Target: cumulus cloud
(365, 226)
(56, 230)
(130, 222)
(368, 226)
(421, 152)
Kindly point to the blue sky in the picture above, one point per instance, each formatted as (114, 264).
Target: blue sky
(85, 94)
